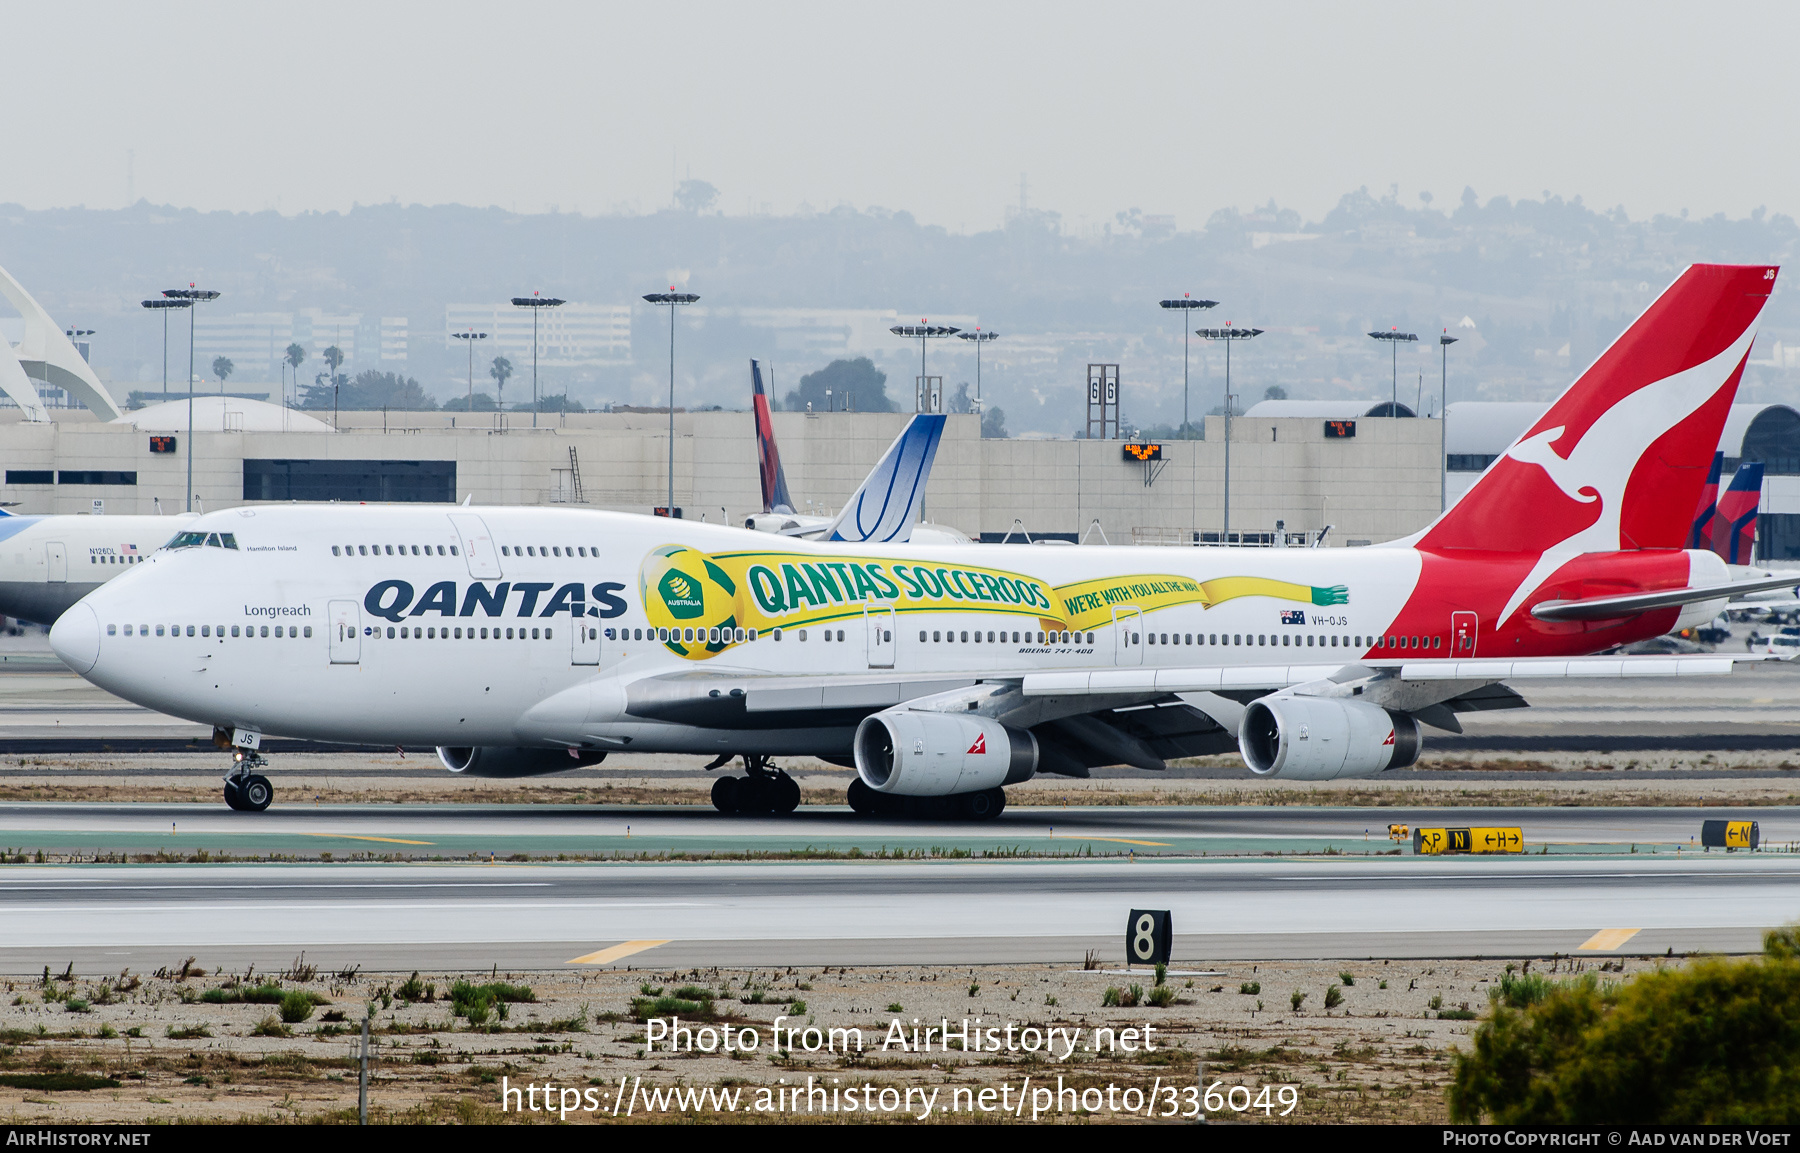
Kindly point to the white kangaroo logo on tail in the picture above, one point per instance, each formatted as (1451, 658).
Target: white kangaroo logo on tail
(1599, 465)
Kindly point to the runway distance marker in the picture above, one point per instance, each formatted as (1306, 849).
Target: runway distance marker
(354, 837)
(607, 956)
(1607, 940)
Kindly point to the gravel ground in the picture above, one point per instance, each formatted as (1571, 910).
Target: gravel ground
(1381, 1054)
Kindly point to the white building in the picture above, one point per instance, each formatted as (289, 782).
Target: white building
(568, 336)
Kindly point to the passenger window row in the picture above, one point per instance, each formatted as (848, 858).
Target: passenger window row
(1293, 640)
(393, 550)
(444, 634)
(110, 558)
(1058, 638)
(208, 630)
(691, 636)
(552, 550)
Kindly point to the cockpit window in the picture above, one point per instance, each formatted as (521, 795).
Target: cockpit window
(187, 540)
(228, 540)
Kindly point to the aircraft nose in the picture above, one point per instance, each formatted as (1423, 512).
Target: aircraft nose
(75, 637)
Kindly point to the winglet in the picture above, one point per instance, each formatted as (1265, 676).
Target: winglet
(888, 503)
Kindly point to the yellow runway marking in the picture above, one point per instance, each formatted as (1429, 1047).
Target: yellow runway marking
(1117, 840)
(1607, 940)
(354, 837)
(607, 956)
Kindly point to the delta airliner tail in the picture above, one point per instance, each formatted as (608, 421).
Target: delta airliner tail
(1700, 536)
(1734, 528)
(774, 482)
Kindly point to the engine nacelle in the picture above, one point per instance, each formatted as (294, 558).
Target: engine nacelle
(1323, 738)
(507, 762)
(918, 753)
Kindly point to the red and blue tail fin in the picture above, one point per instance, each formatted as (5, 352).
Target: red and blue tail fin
(1708, 508)
(1619, 460)
(774, 481)
(1734, 529)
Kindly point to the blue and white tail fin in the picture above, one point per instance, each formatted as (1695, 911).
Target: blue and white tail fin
(887, 505)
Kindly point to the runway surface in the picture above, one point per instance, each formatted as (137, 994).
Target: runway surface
(466, 917)
(463, 831)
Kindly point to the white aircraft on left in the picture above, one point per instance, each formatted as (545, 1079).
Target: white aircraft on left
(47, 563)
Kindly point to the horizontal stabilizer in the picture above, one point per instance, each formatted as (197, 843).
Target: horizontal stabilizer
(1610, 608)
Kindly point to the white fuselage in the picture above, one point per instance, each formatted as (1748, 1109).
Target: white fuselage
(525, 626)
(47, 563)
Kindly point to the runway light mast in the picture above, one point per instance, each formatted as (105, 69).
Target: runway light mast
(1395, 339)
(163, 307)
(672, 300)
(1444, 343)
(924, 331)
(536, 303)
(469, 338)
(978, 338)
(1230, 336)
(192, 296)
(1185, 306)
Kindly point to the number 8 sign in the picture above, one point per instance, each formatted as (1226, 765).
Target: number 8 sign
(1149, 937)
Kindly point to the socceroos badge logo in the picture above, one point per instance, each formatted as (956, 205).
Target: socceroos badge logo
(688, 594)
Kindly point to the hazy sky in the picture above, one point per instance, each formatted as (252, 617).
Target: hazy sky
(936, 108)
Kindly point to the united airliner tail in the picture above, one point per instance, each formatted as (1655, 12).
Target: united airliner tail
(1700, 536)
(1620, 459)
(774, 481)
(888, 503)
(1734, 528)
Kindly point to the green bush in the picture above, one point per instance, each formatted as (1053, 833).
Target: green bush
(296, 1006)
(1347, 978)
(1250, 988)
(412, 989)
(1333, 997)
(1297, 1000)
(1523, 990)
(476, 1002)
(1162, 996)
(1709, 1044)
(644, 1008)
(1110, 998)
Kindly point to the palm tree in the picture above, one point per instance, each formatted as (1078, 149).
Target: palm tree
(334, 356)
(222, 367)
(295, 355)
(502, 369)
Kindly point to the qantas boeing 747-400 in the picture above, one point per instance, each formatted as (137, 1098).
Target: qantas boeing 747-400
(527, 640)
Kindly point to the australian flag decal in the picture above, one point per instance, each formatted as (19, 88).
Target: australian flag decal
(1293, 616)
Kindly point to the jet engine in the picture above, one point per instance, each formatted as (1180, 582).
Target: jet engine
(917, 753)
(1322, 738)
(505, 762)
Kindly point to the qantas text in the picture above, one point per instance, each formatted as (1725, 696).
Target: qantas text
(396, 600)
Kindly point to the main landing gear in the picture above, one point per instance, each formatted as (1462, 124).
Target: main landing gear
(766, 789)
(245, 790)
(984, 805)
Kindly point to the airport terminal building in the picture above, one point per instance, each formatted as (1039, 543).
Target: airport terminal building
(1304, 465)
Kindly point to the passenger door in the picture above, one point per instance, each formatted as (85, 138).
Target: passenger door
(1128, 638)
(477, 545)
(878, 626)
(1463, 629)
(346, 632)
(587, 641)
(56, 562)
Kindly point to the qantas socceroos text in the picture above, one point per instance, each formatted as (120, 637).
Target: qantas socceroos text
(1032, 1097)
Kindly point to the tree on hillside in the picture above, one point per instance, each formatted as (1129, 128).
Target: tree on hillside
(695, 195)
(222, 367)
(334, 356)
(859, 380)
(1275, 392)
(368, 391)
(500, 371)
(960, 400)
(480, 402)
(993, 423)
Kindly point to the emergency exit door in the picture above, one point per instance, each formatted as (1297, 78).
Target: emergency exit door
(56, 563)
(1128, 638)
(586, 635)
(346, 632)
(878, 626)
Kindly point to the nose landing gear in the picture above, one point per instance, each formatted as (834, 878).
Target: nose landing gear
(245, 790)
(766, 789)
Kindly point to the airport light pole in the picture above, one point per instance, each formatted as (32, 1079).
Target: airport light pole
(1395, 339)
(672, 300)
(535, 302)
(192, 296)
(1230, 336)
(924, 331)
(1444, 343)
(469, 338)
(1185, 305)
(978, 338)
(163, 307)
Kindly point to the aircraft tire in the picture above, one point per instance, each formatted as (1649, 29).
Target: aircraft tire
(256, 793)
(862, 798)
(982, 806)
(725, 794)
(754, 795)
(787, 794)
(234, 798)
